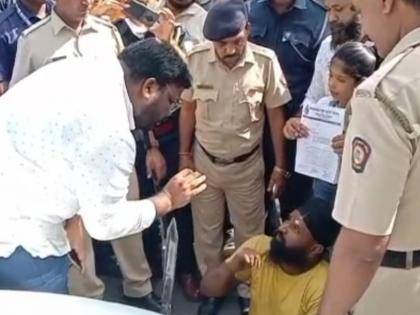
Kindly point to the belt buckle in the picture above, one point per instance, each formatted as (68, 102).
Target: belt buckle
(221, 161)
(409, 260)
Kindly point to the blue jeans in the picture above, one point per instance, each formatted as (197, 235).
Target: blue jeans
(21, 271)
(324, 190)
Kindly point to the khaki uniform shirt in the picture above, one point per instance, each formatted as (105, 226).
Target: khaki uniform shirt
(230, 103)
(379, 186)
(192, 20)
(52, 40)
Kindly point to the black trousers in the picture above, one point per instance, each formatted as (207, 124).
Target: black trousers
(186, 263)
(298, 188)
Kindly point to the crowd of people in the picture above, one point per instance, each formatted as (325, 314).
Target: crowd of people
(196, 117)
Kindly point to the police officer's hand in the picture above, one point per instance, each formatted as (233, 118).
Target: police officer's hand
(338, 144)
(243, 259)
(277, 182)
(179, 190)
(186, 162)
(111, 8)
(155, 164)
(294, 129)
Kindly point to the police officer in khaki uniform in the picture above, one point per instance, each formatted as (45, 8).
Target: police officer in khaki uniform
(70, 32)
(60, 36)
(375, 267)
(221, 127)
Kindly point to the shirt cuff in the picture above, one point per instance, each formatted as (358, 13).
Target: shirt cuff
(149, 212)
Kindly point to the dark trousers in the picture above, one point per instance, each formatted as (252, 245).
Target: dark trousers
(298, 188)
(169, 147)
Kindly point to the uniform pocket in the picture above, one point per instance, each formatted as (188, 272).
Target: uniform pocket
(206, 100)
(251, 108)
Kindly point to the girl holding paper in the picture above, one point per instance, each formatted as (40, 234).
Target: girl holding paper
(351, 64)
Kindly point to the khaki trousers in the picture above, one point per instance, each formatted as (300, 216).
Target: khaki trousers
(392, 292)
(241, 186)
(133, 265)
(131, 259)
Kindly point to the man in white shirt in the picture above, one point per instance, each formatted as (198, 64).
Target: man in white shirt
(71, 32)
(70, 152)
(345, 26)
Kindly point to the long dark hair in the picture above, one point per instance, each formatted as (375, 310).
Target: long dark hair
(358, 60)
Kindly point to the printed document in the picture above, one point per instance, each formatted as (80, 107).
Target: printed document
(315, 156)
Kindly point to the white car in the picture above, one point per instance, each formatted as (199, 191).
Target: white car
(34, 303)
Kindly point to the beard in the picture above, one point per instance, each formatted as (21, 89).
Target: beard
(149, 118)
(342, 33)
(281, 254)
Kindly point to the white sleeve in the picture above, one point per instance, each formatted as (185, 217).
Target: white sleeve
(102, 177)
(317, 89)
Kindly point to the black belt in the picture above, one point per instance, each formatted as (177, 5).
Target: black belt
(221, 161)
(401, 260)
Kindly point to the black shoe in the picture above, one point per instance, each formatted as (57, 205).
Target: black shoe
(149, 302)
(210, 306)
(244, 305)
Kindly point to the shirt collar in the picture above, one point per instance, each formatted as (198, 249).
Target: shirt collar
(58, 24)
(192, 10)
(248, 57)
(129, 107)
(20, 6)
(299, 4)
(136, 29)
(410, 40)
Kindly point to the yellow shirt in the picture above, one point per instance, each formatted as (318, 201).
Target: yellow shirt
(273, 291)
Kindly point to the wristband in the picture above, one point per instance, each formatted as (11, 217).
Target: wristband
(281, 171)
(185, 154)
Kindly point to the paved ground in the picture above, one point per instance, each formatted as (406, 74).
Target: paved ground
(181, 305)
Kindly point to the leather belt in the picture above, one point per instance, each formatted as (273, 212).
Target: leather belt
(401, 260)
(222, 161)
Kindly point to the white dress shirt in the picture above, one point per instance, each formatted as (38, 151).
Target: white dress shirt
(319, 85)
(67, 149)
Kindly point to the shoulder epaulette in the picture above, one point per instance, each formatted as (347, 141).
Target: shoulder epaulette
(262, 51)
(200, 48)
(35, 26)
(102, 21)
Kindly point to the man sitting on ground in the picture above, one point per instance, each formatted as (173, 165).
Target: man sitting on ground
(287, 272)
